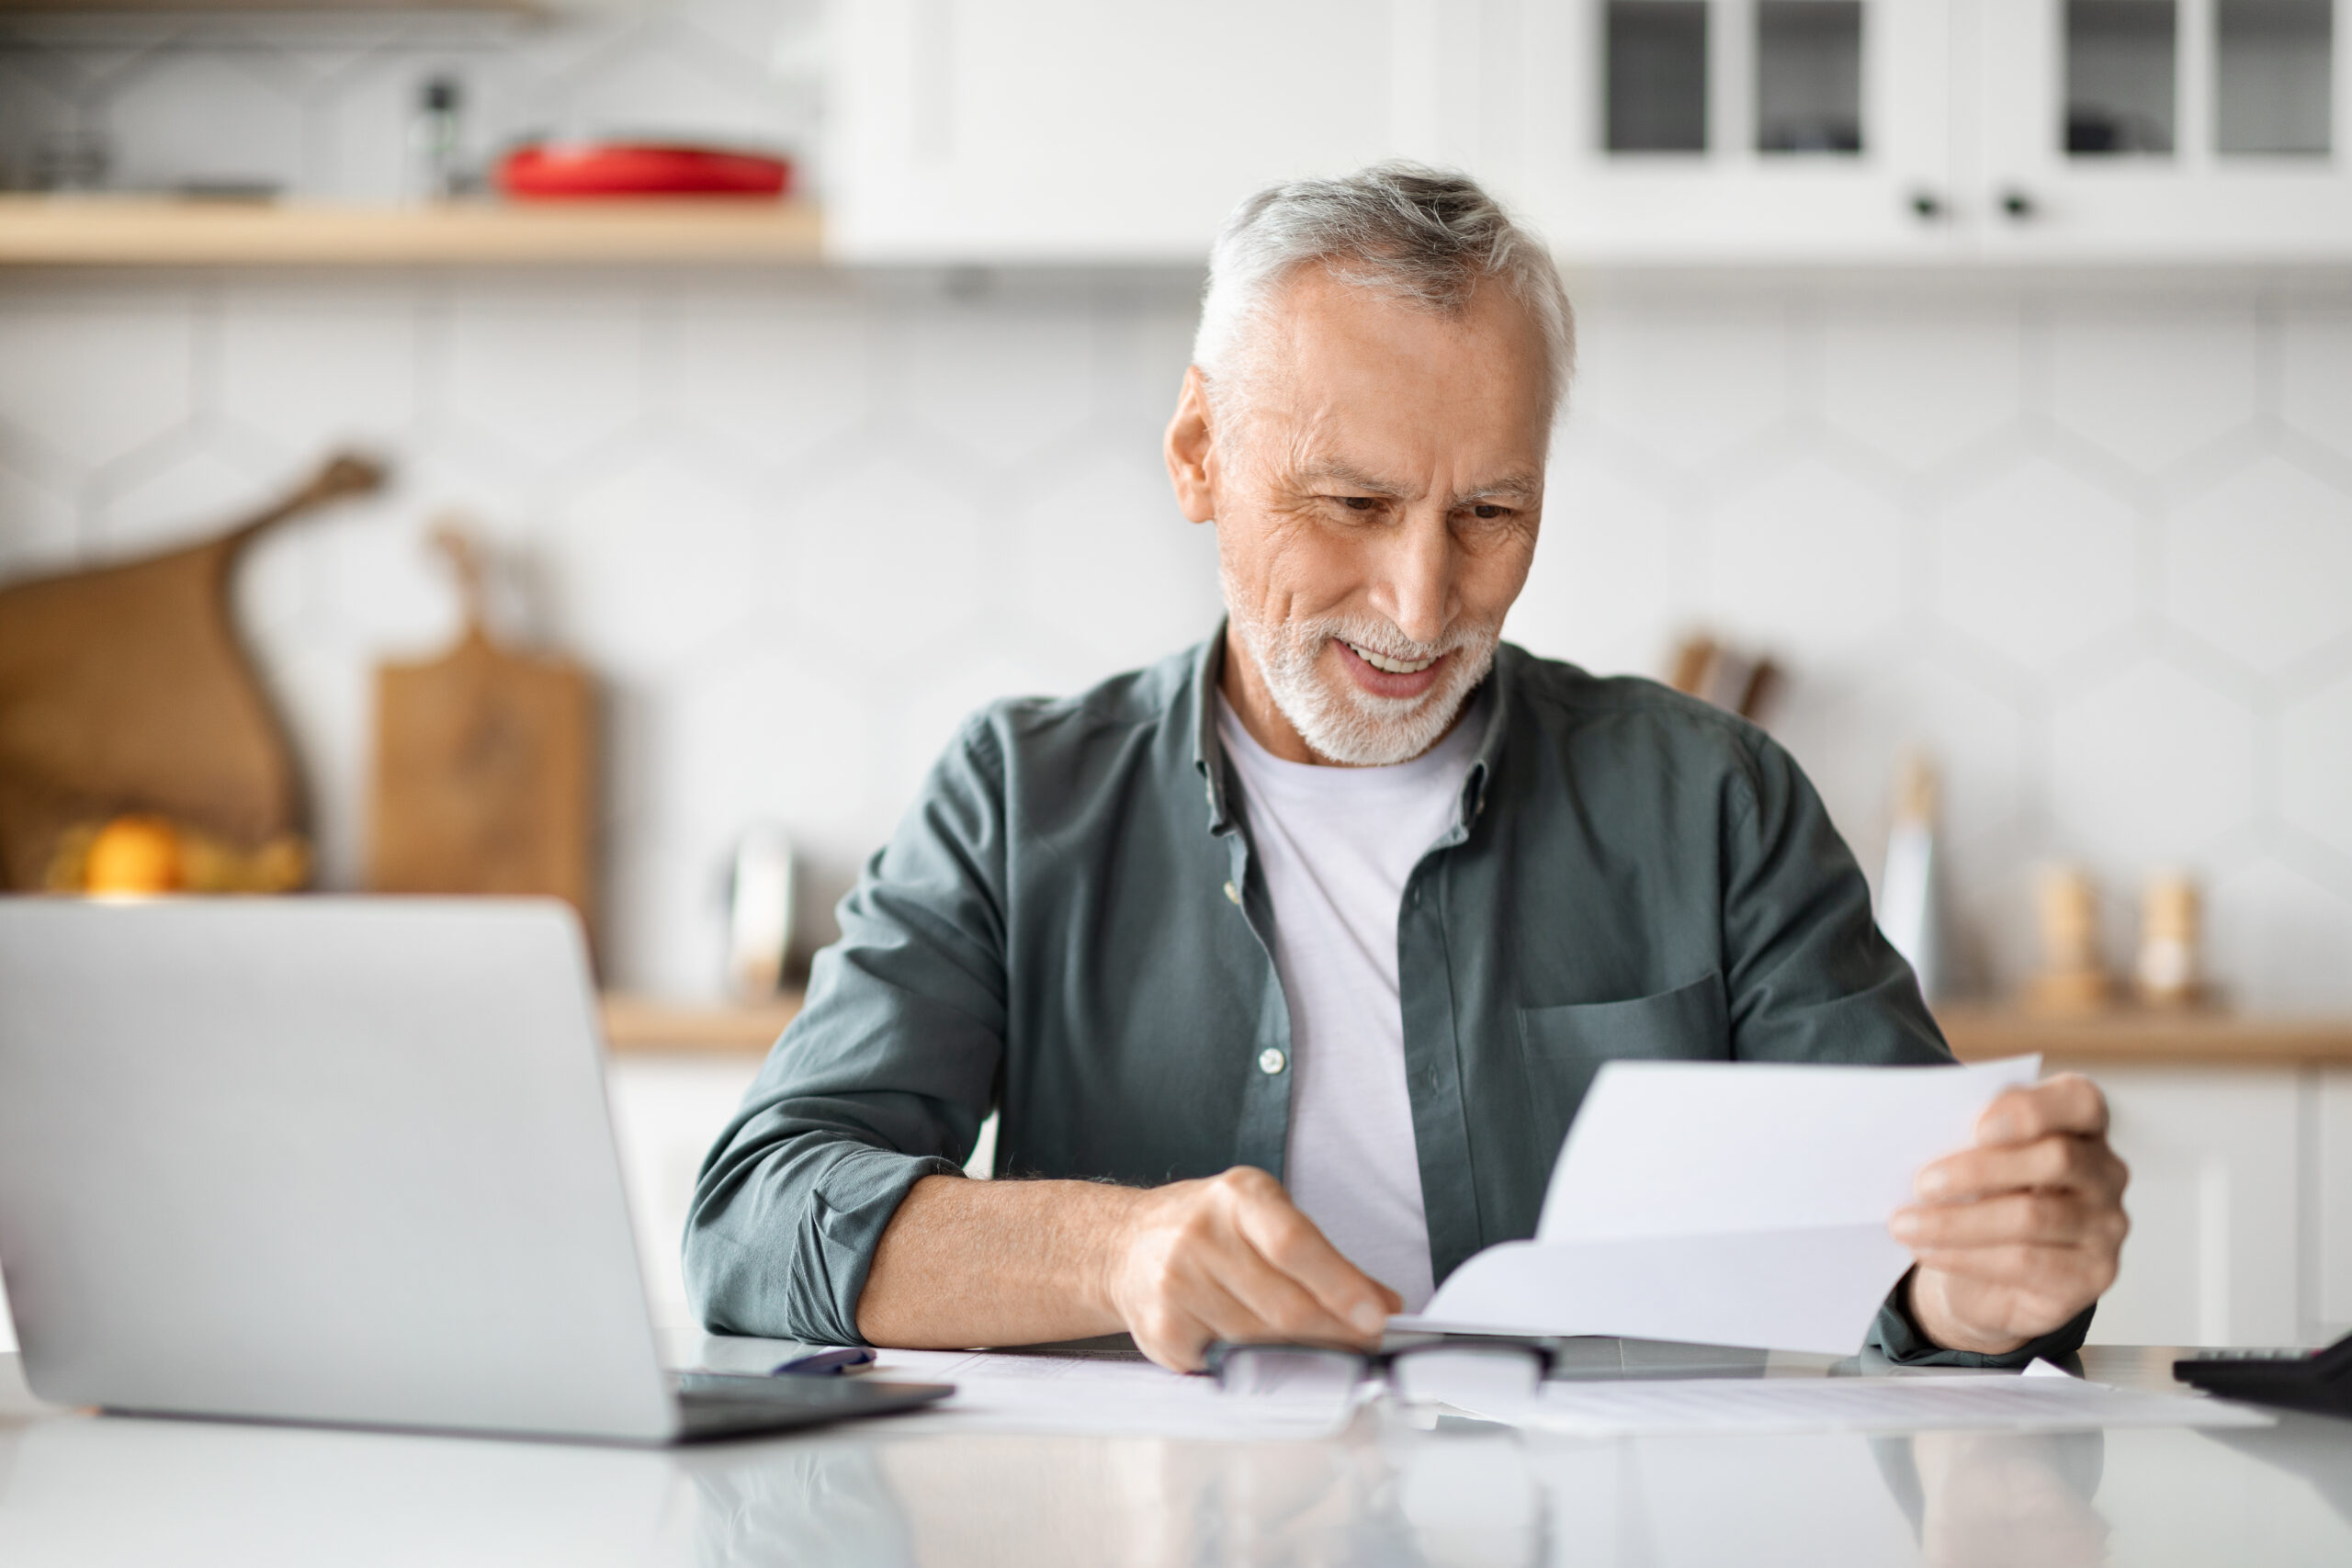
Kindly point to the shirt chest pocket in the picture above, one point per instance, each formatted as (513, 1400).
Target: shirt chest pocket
(1564, 1047)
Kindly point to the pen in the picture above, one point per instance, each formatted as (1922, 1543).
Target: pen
(823, 1363)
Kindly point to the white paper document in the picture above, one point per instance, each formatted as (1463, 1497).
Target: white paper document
(1667, 1407)
(1726, 1204)
(1094, 1395)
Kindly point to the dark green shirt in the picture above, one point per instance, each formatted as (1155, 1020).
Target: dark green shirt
(1067, 929)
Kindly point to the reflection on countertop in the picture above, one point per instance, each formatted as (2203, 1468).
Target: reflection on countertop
(1387, 1491)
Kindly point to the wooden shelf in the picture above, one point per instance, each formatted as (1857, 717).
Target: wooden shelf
(126, 231)
(2183, 1039)
(638, 1025)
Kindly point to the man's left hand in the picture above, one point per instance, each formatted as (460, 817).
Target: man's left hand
(2020, 1232)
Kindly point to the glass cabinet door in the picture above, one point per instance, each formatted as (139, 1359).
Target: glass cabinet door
(2146, 130)
(1739, 129)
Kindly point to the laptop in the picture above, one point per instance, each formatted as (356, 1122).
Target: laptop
(335, 1160)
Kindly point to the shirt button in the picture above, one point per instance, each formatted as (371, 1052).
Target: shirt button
(1269, 1061)
(1233, 895)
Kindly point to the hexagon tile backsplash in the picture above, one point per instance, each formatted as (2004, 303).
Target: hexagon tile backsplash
(2091, 545)
(2090, 541)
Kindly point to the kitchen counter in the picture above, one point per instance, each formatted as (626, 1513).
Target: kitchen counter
(2183, 1039)
(642, 1025)
(77, 1489)
(637, 1024)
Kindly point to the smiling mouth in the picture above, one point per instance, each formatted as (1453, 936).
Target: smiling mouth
(1387, 665)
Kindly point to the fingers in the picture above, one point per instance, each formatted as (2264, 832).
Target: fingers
(2067, 1104)
(2079, 1163)
(2018, 1233)
(2073, 1273)
(1190, 1302)
(1289, 1243)
(2034, 1218)
(1279, 1307)
(1173, 1338)
(1232, 1257)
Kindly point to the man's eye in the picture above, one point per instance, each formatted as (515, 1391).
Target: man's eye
(1358, 502)
(1489, 512)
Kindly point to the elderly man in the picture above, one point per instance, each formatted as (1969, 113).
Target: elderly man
(1287, 961)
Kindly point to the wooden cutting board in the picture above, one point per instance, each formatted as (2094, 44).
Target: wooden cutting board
(126, 690)
(484, 768)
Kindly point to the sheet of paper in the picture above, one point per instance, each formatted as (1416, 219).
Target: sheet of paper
(1700, 1148)
(1748, 1405)
(1003, 1393)
(1725, 1203)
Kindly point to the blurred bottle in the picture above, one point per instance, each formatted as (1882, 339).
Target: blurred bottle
(2073, 977)
(2169, 972)
(436, 141)
(759, 926)
(76, 158)
(1911, 892)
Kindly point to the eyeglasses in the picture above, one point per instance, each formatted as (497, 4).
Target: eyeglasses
(1476, 1375)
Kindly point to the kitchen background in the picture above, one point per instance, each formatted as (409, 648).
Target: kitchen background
(2086, 535)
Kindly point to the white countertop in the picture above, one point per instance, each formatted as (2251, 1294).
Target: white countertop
(82, 1490)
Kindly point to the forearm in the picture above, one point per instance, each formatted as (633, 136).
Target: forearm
(969, 1263)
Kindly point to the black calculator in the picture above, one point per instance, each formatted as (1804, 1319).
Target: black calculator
(2304, 1380)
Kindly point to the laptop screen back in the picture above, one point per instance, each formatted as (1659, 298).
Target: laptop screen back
(320, 1159)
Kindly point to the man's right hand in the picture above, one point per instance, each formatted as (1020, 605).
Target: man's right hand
(965, 1263)
(1232, 1257)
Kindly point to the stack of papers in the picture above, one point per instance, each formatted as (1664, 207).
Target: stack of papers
(1725, 1203)
(1992, 1402)
(997, 1392)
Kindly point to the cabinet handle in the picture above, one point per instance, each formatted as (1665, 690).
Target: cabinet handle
(2017, 205)
(1927, 206)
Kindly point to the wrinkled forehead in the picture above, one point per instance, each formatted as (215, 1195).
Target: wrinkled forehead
(1342, 376)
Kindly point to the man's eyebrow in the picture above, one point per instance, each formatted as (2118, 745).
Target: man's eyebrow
(1346, 476)
(1515, 487)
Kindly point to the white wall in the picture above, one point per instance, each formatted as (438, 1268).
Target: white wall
(2090, 540)
(2093, 542)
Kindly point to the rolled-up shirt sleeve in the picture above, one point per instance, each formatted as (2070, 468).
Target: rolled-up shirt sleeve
(884, 1078)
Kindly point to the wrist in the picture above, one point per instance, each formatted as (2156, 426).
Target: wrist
(1929, 1305)
(1110, 1230)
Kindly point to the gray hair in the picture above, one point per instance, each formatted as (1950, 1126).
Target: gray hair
(1424, 237)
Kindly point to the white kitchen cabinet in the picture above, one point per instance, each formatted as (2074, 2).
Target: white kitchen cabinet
(1071, 130)
(2184, 129)
(667, 1110)
(1815, 130)
(2001, 132)
(2329, 1224)
(2216, 1202)
(1632, 131)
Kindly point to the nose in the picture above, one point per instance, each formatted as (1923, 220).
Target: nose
(1416, 587)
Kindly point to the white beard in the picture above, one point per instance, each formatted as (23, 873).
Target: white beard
(1338, 718)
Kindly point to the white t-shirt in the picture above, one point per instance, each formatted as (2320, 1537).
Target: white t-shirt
(1335, 846)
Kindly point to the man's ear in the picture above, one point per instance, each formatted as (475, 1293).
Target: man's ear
(1190, 449)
